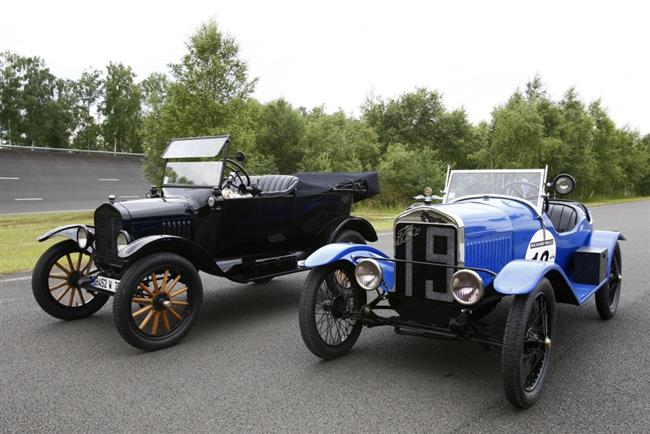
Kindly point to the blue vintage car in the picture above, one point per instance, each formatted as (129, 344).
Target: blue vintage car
(496, 234)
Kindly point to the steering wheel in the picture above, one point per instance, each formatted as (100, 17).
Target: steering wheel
(516, 188)
(238, 170)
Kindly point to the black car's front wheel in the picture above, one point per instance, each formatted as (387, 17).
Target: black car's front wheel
(157, 301)
(55, 282)
(527, 343)
(329, 296)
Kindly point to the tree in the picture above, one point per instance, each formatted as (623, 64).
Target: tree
(88, 96)
(121, 109)
(208, 95)
(337, 143)
(279, 135)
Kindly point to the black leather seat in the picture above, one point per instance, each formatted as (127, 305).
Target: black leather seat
(274, 185)
(563, 216)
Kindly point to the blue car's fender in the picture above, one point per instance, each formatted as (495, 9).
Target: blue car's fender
(522, 276)
(353, 253)
(67, 231)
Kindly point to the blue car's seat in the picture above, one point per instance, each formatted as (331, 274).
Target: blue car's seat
(274, 185)
(564, 216)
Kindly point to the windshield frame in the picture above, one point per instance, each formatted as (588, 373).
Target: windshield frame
(540, 198)
(223, 158)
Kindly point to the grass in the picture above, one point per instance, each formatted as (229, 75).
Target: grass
(19, 249)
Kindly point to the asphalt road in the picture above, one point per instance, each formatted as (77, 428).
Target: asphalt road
(35, 181)
(244, 367)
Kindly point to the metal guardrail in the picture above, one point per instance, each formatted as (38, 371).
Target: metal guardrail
(71, 151)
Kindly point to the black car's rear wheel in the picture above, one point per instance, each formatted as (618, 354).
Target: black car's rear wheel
(157, 301)
(527, 342)
(608, 296)
(55, 282)
(329, 296)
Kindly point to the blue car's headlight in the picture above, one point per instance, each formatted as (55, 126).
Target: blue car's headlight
(466, 287)
(368, 274)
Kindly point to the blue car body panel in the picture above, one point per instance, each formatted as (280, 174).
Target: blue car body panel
(353, 253)
(498, 235)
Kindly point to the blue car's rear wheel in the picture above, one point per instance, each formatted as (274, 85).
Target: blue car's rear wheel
(527, 342)
(608, 296)
(329, 296)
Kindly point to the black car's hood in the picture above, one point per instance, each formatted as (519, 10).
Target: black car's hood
(182, 202)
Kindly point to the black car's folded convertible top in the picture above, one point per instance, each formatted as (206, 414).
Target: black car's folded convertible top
(363, 184)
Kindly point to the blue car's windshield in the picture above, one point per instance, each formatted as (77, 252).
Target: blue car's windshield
(525, 184)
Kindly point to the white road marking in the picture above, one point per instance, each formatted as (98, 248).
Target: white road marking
(28, 198)
(10, 178)
(15, 279)
(109, 179)
(383, 234)
(130, 197)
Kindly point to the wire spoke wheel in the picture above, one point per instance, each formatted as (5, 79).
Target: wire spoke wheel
(330, 296)
(534, 346)
(158, 304)
(526, 354)
(608, 296)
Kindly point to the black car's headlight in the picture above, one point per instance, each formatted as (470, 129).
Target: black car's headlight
(122, 239)
(82, 237)
(466, 287)
(368, 274)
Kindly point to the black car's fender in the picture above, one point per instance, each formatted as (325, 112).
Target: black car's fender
(358, 224)
(189, 249)
(67, 231)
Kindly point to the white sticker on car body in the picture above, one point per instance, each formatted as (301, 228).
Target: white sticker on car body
(542, 247)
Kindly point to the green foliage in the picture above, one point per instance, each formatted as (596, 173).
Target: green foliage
(338, 143)
(122, 108)
(405, 172)
(409, 139)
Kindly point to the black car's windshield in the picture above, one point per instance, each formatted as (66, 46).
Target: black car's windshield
(194, 173)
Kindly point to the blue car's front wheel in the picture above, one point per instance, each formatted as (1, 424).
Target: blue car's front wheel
(527, 343)
(329, 296)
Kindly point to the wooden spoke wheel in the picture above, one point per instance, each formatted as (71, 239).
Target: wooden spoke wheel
(157, 301)
(55, 282)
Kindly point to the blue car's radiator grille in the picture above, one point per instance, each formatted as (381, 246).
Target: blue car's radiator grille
(434, 243)
(492, 253)
(180, 227)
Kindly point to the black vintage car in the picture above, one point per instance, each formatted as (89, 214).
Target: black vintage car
(210, 215)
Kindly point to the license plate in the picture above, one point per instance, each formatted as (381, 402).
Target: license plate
(105, 283)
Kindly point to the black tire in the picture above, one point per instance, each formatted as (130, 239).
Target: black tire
(54, 280)
(146, 296)
(349, 236)
(527, 341)
(330, 304)
(608, 296)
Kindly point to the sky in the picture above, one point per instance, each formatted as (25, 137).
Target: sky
(337, 53)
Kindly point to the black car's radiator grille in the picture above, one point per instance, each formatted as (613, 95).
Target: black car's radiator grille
(108, 222)
(180, 227)
(424, 243)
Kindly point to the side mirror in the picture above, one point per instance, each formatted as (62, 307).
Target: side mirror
(564, 184)
(239, 156)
